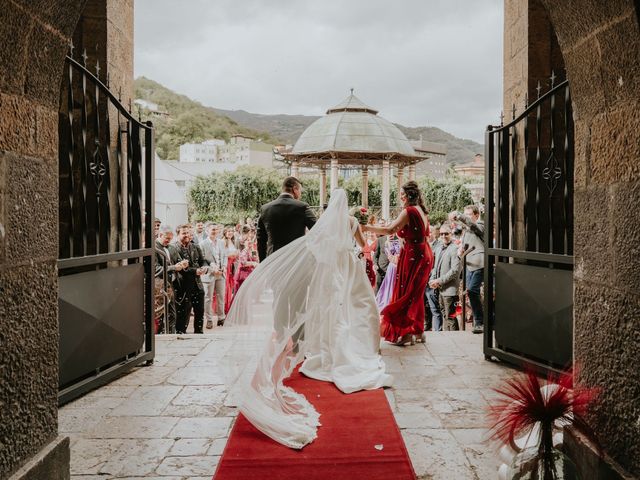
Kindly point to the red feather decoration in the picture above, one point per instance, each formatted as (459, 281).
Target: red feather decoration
(524, 403)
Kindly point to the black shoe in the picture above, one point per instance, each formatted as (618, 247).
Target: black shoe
(478, 329)
(221, 322)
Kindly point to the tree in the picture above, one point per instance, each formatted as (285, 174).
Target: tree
(230, 197)
(443, 197)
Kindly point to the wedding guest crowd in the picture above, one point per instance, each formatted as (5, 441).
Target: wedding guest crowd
(206, 264)
(415, 270)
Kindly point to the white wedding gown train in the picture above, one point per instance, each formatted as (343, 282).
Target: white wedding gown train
(324, 315)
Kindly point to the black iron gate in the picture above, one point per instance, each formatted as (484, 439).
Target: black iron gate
(106, 256)
(529, 234)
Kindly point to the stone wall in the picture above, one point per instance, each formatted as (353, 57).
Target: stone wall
(105, 31)
(34, 35)
(531, 52)
(600, 42)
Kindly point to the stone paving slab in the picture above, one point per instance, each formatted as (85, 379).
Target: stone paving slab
(171, 421)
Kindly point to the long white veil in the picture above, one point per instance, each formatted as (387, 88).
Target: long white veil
(299, 281)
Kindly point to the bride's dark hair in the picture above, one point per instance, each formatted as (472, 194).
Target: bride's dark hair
(414, 195)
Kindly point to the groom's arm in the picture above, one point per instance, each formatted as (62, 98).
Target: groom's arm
(309, 217)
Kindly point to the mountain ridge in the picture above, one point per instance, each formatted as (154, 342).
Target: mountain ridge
(190, 121)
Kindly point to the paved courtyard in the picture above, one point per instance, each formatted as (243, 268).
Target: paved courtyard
(168, 421)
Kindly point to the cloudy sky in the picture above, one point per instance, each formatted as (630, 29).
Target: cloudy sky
(419, 62)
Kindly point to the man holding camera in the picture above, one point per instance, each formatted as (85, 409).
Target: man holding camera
(473, 245)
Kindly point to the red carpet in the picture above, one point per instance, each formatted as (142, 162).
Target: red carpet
(345, 448)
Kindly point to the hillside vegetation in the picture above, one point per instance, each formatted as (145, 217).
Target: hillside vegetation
(190, 121)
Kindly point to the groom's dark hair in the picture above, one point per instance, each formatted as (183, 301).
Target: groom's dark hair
(290, 183)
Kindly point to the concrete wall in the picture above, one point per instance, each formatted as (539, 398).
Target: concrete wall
(600, 42)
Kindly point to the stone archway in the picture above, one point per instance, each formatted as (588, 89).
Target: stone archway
(600, 42)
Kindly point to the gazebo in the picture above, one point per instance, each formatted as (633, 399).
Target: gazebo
(352, 135)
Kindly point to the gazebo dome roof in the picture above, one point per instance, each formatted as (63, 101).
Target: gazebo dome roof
(353, 127)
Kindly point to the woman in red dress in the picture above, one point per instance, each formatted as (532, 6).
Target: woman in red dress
(403, 318)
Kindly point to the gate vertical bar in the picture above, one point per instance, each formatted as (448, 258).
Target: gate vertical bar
(84, 160)
(505, 187)
(513, 188)
(568, 167)
(489, 260)
(537, 178)
(66, 243)
(551, 172)
(96, 167)
(528, 220)
(149, 241)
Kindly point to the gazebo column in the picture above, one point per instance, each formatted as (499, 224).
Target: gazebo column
(365, 186)
(412, 172)
(400, 179)
(323, 185)
(295, 168)
(385, 190)
(334, 174)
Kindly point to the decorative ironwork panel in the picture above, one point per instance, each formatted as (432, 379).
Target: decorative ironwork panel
(93, 219)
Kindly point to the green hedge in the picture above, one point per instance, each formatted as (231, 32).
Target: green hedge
(230, 197)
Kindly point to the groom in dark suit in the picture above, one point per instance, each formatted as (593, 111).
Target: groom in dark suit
(284, 219)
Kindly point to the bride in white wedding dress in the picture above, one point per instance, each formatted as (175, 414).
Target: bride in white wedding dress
(324, 315)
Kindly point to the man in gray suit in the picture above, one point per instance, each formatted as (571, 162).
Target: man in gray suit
(445, 278)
